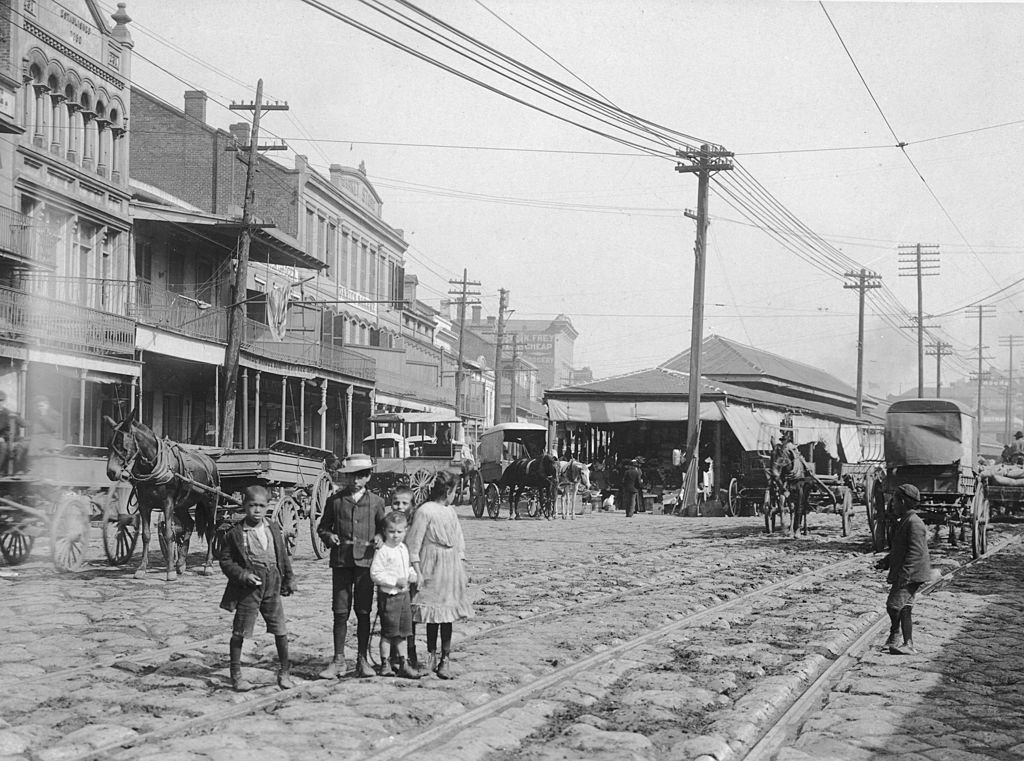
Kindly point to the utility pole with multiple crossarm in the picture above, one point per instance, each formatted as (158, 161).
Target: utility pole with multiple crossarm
(939, 349)
(923, 261)
(499, 340)
(864, 281)
(1009, 341)
(463, 301)
(980, 312)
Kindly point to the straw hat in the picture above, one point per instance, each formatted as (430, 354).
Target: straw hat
(355, 463)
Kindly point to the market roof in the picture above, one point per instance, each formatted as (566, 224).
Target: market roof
(724, 359)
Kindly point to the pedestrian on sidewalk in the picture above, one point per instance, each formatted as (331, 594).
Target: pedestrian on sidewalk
(352, 526)
(259, 572)
(392, 573)
(437, 551)
(909, 567)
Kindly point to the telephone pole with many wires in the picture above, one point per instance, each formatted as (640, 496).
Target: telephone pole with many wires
(939, 349)
(1010, 342)
(499, 340)
(864, 280)
(513, 400)
(236, 313)
(463, 293)
(980, 312)
(923, 261)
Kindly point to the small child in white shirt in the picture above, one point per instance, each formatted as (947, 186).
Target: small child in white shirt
(392, 572)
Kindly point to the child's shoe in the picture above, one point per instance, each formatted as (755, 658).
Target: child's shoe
(406, 671)
(442, 668)
(893, 641)
(284, 680)
(386, 668)
(363, 667)
(907, 648)
(238, 682)
(336, 669)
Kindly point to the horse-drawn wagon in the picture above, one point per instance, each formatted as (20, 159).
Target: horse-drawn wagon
(404, 459)
(929, 444)
(513, 463)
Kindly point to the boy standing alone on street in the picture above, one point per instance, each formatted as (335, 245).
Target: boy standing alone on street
(259, 573)
(909, 567)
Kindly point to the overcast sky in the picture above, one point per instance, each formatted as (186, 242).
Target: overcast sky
(573, 225)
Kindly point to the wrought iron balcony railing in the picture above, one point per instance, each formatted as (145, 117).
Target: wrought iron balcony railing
(258, 340)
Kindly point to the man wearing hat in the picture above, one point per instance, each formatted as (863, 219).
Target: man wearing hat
(632, 487)
(12, 446)
(1017, 445)
(353, 517)
(909, 567)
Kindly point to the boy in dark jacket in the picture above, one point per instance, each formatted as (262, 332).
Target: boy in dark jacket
(259, 572)
(909, 567)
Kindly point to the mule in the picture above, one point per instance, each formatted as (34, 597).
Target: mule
(540, 473)
(790, 487)
(571, 474)
(170, 480)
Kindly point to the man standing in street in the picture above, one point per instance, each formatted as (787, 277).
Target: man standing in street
(632, 487)
(909, 567)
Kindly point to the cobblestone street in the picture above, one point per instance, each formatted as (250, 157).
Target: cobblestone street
(601, 637)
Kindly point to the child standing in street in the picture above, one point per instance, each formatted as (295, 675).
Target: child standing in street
(402, 500)
(437, 551)
(392, 573)
(259, 573)
(909, 567)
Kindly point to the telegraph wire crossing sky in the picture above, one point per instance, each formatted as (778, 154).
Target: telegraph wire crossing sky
(810, 97)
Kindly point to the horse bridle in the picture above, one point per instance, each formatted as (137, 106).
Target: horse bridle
(128, 462)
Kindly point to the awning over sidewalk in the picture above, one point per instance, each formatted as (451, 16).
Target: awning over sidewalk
(753, 428)
(593, 411)
(811, 430)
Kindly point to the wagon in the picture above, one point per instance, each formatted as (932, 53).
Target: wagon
(929, 443)
(405, 458)
(499, 446)
(63, 496)
(749, 485)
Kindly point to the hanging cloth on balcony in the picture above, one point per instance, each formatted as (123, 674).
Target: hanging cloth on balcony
(277, 312)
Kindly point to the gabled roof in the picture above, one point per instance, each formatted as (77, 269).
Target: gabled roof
(722, 358)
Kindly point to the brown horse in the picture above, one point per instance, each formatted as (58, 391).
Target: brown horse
(169, 479)
(790, 488)
(540, 473)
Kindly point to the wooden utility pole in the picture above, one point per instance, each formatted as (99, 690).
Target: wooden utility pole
(498, 348)
(463, 293)
(924, 262)
(864, 281)
(980, 312)
(513, 401)
(236, 311)
(702, 163)
(939, 349)
(1009, 341)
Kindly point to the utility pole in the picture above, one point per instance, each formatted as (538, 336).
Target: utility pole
(463, 293)
(939, 349)
(924, 262)
(980, 312)
(864, 281)
(236, 313)
(498, 348)
(702, 163)
(512, 395)
(1009, 341)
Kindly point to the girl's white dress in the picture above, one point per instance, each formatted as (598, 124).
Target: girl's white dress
(435, 541)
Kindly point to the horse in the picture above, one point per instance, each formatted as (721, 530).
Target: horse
(170, 479)
(790, 489)
(540, 473)
(571, 474)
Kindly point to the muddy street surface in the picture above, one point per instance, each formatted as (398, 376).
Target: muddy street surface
(601, 637)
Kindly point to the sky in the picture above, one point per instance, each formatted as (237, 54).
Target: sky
(813, 101)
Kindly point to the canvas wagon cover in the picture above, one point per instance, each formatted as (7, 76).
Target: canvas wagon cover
(927, 432)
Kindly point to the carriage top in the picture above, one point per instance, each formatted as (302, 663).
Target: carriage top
(531, 436)
(929, 432)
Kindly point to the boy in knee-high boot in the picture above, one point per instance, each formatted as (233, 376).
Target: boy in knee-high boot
(909, 567)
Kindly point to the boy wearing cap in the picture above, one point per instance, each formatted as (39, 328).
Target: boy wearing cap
(909, 567)
(352, 524)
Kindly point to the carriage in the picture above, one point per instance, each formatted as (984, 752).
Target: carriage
(63, 496)
(404, 459)
(500, 446)
(929, 443)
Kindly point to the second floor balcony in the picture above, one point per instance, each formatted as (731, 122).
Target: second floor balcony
(19, 240)
(258, 340)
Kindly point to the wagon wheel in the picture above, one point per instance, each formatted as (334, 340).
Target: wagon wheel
(15, 544)
(847, 509)
(477, 496)
(419, 482)
(318, 503)
(286, 513)
(979, 523)
(768, 508)
(492, 496)
(120, 525)
(876, 515)
(732, 505)
(69, 531)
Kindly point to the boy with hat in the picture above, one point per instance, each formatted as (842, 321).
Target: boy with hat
(909, 567)
(352, 525)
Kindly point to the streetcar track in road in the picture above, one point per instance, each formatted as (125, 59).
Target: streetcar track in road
(324, 688)
(801, 704)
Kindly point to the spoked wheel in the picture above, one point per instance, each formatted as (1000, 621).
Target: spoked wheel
(846, 507)
(477, 496)
(979, 523)
(286, 513)
(69, 532)
(318, 503)
(492, 496)
(419, 482)
(732, 504)
(876, 515)
(120, 524)
(15, 544)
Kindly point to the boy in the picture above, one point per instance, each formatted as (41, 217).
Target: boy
(392, 572)
(909, 567)
(259, 574)
(402, 500)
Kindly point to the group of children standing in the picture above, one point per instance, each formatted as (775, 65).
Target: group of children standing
(413, 556)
